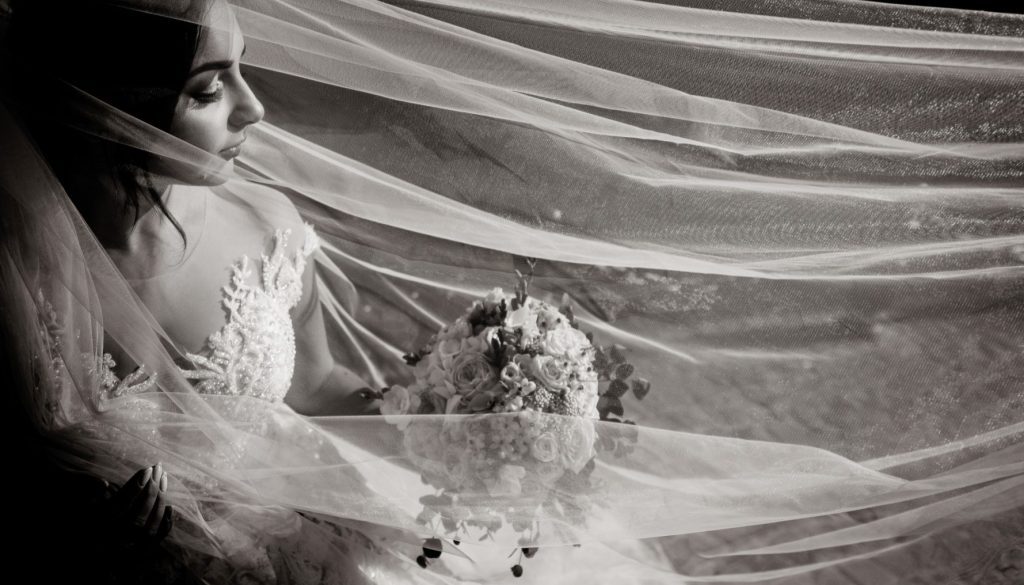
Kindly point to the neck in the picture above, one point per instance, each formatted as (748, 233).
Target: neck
(114, 221)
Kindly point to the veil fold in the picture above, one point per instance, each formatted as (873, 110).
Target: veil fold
(803, 223)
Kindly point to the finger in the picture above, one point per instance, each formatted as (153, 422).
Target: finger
(122, 500)
(158, 474)
(165, 524)
(155, 520)
(156, 516)
(139, 511)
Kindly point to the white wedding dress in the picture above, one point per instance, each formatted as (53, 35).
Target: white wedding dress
(253, 352)
(253, 355)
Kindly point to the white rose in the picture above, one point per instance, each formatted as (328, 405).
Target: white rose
(471, 373)
(549, 372)
(565, 341)
(525, 320)
(544, 448)
(578, 443)
(399, 401)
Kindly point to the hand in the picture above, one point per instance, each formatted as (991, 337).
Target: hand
(136, 513)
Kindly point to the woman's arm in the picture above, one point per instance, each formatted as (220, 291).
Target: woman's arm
(320, 386)
(342, 392)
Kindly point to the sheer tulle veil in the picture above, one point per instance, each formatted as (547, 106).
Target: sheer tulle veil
(803, 221)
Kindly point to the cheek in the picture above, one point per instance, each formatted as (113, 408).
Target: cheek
(201, 127)
(204, 129)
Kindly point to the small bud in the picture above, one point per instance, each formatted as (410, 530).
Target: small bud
(421, 561)
(517, 570)
(529, 551)
(432, 548)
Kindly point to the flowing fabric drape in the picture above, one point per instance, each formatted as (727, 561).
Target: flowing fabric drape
(804, 223)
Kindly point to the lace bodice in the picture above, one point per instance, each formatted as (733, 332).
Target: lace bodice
(253, 354)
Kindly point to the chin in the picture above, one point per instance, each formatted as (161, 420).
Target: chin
(217, 172)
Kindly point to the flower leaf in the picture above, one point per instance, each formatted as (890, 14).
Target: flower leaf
(566, 308)
(609, 405)
(624, 371)
(600, 359)
(523, 279)
(617, 389)
(640, 388)
(618, 353)
(496, 352)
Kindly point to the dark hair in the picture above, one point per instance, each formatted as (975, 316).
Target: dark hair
(133, 60)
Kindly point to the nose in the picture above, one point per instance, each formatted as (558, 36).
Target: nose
(248, 109)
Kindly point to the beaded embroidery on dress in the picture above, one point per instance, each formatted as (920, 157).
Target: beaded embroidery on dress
(253, 354)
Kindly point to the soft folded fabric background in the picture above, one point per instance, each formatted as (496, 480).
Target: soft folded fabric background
(813, 240)
(871, 367)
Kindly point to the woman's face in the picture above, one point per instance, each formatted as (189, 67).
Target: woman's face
(217, 104)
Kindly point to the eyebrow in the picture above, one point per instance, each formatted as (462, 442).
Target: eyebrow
(211, 65)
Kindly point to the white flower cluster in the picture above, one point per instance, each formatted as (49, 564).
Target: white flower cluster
(521, 454)
(494, 359)
(527, 362)
(497, 360)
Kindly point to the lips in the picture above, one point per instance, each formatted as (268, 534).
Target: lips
(232, 151)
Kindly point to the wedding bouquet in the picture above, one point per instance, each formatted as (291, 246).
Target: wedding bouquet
(518, 360)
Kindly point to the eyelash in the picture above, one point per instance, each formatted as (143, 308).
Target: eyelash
(212, 96)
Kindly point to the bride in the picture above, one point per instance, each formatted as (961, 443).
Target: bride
(820, 288)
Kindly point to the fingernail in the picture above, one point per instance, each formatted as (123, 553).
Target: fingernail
(146, 476)
(163, 483)
(157, 470)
